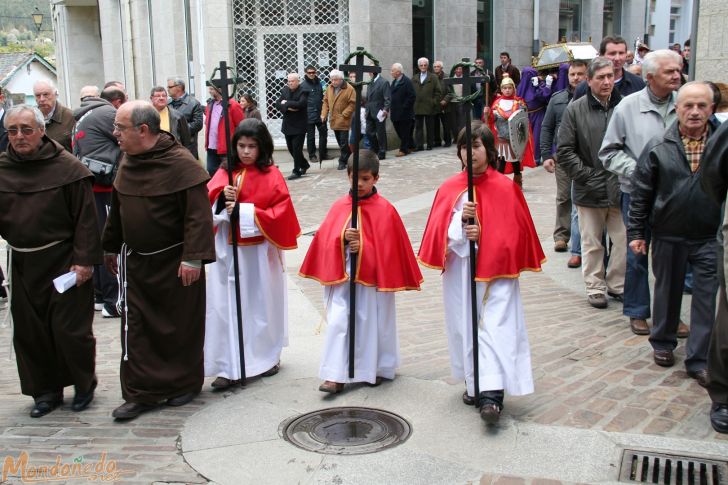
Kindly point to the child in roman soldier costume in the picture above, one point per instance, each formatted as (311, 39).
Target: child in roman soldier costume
(503, 108)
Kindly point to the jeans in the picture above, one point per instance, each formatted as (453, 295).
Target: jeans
(575, 234)
(636, 285)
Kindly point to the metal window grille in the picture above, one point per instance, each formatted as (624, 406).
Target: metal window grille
(275, 37)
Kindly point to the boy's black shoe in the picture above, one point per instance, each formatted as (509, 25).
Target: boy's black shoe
(491, 405)
(342, 166)
(294, 175)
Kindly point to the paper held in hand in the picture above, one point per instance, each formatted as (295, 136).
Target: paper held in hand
(65, 282)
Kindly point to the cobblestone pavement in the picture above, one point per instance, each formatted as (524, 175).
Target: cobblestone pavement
(591, 371)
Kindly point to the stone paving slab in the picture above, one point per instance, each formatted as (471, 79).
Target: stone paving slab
(591, 373)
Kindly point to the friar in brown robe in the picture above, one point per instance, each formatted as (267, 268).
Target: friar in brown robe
(49, 222)
(160, 226)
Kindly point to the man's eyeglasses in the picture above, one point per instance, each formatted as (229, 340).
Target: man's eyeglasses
(311, 72)
(120, 128)
(170, 87)
(25, 130)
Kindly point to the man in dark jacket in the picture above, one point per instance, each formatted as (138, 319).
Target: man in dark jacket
(596, 191)
(190, 108)
(564, 229)
(94, 139)
(667, 196)
(715, 183)
(315, 89)
(506, 67)
(401, 109)
(293, 103)
(615, 49)
(378, 99)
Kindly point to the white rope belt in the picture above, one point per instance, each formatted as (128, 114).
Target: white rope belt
(39, 248)
(122, 303)
(157, 252)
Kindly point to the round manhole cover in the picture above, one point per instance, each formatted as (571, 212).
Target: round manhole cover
(346, 430)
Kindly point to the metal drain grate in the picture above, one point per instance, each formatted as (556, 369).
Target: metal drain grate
(647, 467)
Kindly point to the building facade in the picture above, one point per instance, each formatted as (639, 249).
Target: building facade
(142, 42)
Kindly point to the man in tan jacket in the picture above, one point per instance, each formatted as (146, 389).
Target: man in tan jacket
(339, 106)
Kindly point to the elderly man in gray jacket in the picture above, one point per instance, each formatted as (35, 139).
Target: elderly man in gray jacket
(596, 192)
(640, 117)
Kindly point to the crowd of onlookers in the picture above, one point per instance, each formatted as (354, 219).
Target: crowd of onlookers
(639, 164)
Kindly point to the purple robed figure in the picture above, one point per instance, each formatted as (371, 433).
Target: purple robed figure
(537, 98)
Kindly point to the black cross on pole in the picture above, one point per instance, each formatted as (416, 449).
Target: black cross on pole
(358, 69)
(221, 85)
(469, 82)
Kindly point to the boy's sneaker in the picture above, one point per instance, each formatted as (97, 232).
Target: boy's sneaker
(109, 311)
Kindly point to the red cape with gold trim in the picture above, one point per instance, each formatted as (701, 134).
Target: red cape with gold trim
(508, 241)
(386, 259)
(274, 212)
(527, 160)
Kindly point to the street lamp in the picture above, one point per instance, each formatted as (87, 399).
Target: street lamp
(37, 18)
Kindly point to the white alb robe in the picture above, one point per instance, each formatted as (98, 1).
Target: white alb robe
(503, 351)
(264, 298)
(376, 343)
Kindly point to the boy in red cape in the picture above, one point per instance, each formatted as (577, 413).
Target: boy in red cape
(385, 264)
(267, 226)
(502, 109)
(507, 244)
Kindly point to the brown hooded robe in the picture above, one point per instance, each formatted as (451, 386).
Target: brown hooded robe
(47, 198)
(159, 201)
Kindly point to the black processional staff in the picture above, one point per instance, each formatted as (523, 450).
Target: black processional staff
(221, 85)
(469, 82)
(358, 69)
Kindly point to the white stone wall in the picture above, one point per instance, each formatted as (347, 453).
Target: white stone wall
(384, 28)
(633, 21)
(79, 44)
(513, 30)
(456, 31)
(712, 48)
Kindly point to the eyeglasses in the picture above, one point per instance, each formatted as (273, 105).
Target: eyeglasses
(121, 128)
(25, 130)
(311, 72)
(172, 86)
